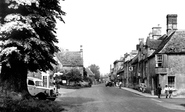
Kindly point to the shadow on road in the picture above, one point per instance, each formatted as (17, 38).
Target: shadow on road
(182, 105)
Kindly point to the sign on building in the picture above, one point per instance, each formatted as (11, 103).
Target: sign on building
(130, 68)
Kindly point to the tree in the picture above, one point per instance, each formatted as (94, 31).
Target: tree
(95, 69)
(27, 40)
(73, 75)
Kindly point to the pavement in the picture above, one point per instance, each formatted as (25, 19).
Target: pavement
(149, 95)
(139, 93)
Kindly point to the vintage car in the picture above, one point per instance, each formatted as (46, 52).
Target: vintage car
(36, 89)
(110, 84)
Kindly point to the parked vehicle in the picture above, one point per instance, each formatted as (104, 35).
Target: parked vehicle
(36, 89)
(110, 84)
(85, 84)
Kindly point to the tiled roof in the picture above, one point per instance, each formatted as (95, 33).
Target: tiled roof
(153, 44)
(163, 43)
(135, 60)
(175, 44)
(70, 58)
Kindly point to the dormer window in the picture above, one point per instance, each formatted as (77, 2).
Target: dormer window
(159, 60)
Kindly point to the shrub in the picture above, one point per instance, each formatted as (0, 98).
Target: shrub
(29, 105)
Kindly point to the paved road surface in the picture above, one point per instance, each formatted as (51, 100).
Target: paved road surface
(110, 99)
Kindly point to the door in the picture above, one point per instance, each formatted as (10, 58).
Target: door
(31, 87)
(156, 82)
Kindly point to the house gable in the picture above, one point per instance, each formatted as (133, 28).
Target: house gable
(89, 72)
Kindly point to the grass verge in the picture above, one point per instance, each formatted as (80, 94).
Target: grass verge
(29, 105)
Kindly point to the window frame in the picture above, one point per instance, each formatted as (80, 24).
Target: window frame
(171, 83)
(159, 60)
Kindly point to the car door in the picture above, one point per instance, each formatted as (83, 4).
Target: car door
(31, 87)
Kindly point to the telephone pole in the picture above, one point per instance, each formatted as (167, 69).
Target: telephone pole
(81, 51)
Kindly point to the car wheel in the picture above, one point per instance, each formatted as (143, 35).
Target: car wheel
(52, 99)
(41, 96)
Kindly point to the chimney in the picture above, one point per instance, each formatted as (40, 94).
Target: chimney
(156, 32)
(81, 52)
(81, 48)
(171, 23)
(141, 40)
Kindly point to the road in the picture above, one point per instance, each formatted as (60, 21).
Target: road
(110, 99)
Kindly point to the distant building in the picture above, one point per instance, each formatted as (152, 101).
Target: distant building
(90, 74)
(71, 59)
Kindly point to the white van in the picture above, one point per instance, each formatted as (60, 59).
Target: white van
(36, 89)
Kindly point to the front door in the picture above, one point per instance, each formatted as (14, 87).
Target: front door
(156, 82)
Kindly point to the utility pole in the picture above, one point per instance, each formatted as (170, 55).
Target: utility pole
(81, 51)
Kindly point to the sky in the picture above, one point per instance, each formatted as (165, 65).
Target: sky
(107, 29)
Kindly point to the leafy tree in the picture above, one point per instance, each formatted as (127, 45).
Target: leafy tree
(27, 40)
(73, 75)
(95, 69)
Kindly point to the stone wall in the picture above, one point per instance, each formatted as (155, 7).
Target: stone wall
(176, 64)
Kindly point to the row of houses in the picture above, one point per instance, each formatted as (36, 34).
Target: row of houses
(158, 60)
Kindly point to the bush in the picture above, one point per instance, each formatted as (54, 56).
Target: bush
(31, 105)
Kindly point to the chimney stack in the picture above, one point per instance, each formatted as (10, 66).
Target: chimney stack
(156, 32)
(171, 23)
(81, 48)
(141, 40)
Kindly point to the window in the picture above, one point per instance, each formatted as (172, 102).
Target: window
(174, 26)
(30, 82)
(174, 21)
(159, 60)
(38, 83)
(171, 81)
